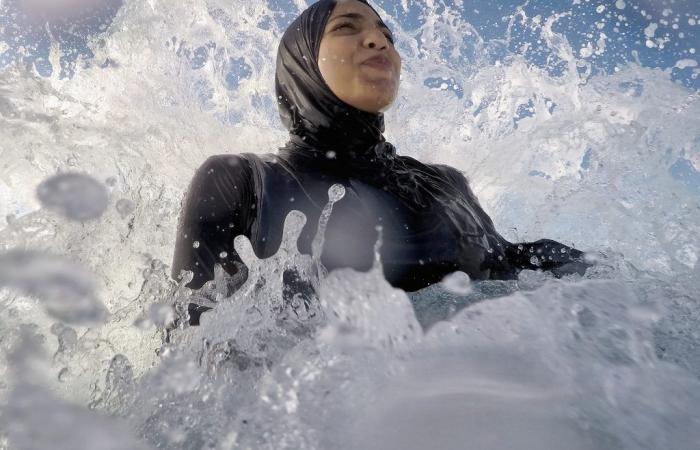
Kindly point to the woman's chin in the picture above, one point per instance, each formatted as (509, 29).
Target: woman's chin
(378, 81)
(375, 105)
(382, 94)
(373, 97)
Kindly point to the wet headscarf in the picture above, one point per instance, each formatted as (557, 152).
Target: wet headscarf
(331, 136)
(312, 113)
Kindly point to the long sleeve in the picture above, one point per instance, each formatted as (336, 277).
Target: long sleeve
(544, 254)
(220, 204)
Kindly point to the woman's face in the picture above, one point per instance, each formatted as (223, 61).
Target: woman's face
(353, 36)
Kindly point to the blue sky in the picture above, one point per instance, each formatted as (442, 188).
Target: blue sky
(655, 33)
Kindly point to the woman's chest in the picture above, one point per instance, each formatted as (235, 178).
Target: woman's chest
(365, 215)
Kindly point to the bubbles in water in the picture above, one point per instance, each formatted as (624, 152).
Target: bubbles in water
(76, 196)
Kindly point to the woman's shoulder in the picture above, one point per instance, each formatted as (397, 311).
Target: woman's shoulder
(226, 161)
(234, 163)
(442, 170)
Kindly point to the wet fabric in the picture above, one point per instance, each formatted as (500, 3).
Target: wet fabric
(431, 221)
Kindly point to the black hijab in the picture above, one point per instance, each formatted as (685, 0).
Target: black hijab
(315, 117)
(330, 136)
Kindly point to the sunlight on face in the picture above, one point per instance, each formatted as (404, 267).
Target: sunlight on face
(353, 35)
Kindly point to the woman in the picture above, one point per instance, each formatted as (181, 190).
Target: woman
(337, 71)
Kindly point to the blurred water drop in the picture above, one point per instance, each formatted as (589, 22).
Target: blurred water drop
(457, 283)
(36, 419)
(162, 315)
(586, 317)
(65, 289)
(67, 338)
(63, 374)
(125, 207)
(76, 196)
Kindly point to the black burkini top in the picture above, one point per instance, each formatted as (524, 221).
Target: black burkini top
(432, 224)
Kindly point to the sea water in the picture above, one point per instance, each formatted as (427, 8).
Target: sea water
(100, 138)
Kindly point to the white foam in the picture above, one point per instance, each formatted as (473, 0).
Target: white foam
(685, 63)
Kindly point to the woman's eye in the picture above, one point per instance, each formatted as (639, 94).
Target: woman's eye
(352, 27)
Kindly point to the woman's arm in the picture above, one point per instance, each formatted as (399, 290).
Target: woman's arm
(219, 205)
(544, 254)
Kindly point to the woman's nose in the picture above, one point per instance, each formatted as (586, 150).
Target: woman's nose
(375, 38)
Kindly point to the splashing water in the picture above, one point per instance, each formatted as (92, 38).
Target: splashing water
(554, 144)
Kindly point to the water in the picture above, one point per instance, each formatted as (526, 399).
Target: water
(555, 145)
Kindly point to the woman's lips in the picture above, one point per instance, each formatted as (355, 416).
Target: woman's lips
(378, 62)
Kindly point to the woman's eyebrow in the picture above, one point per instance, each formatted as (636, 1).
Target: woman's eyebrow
(357, 16)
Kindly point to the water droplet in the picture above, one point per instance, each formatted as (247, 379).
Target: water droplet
(195, 244)
(76, 196)
(335, 193)
(124, 207)
(63, 374)
(457, 283)
(161, 314)
(66, 290)
(223, 255)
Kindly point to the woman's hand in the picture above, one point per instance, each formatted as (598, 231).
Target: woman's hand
(548, 255)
